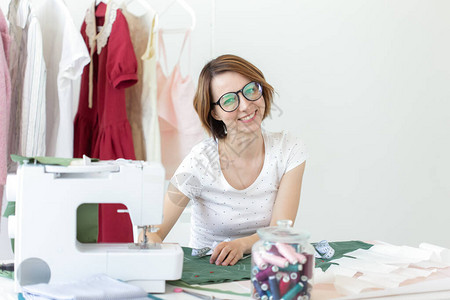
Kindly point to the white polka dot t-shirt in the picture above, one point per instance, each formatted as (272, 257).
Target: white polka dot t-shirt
(220, 211)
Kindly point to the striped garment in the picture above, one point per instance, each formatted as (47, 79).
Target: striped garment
(28, 78)
(33, 127)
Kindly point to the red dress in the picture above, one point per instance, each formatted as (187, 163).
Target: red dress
(103, 131)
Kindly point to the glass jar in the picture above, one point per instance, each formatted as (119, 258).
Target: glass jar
(282, 263)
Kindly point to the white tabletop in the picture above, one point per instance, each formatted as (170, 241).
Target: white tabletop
(436, 285)
(242, 287)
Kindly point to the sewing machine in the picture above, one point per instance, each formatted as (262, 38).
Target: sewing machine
(44, 227)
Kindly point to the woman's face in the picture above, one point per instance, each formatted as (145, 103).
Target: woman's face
(248, 116)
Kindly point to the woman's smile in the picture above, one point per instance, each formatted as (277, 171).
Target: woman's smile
(248, 118)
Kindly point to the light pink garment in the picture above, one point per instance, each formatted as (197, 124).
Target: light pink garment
(179, 124)
(5, 100)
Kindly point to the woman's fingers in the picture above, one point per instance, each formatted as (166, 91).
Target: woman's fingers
(216, 252)
(226, 253)
(223, 255)
(232, 258)
(235, 260)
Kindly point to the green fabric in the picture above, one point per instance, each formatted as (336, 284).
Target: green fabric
(10, 209)
(7, 274)
(181, 283)
(42, 160)
(340, 249)
(45, 160)
(198, 270)
(154, 297)
(87, 223)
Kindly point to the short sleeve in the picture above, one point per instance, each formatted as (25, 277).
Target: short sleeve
(296, 151)
(75, 54)
(186, 178)
(122, 63)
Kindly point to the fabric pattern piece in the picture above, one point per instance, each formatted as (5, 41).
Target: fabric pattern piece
(220, 211)
(200, 271)
(102, 129)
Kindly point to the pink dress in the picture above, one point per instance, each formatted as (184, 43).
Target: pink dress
(5, 100)
(178, 122)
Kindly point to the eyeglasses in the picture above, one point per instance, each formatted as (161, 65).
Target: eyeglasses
(229, 102)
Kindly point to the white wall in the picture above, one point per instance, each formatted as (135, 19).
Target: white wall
(367, 86)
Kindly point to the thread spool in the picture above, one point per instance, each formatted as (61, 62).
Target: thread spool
(292, 268)
(274, 288)
(264, 274)
(301, 258)
(270, 248)
(262, 265)
(276, 260)
(293, 292)
(288, 252)
(295, 278)
(259, 290)
(285, 283)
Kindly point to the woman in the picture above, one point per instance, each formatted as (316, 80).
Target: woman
(242, 178)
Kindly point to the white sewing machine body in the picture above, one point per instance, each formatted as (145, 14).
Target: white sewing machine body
(46, 215)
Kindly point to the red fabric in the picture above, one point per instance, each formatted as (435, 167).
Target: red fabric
(103, 131)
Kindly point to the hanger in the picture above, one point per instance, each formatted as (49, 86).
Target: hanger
(188, 9)
(97, 2)
(139, 7)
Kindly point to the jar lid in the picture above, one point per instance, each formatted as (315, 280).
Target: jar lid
(283, 232)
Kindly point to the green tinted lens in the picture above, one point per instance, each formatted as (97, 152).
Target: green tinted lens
(229, 101)
(252, 91)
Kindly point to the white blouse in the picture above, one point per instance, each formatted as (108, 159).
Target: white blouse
(65, 55)
(220, 211)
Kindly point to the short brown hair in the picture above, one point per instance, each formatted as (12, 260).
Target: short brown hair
(203, 95)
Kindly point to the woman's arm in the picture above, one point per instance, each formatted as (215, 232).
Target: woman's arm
(285, 208)
(174, 204)
(288, 196)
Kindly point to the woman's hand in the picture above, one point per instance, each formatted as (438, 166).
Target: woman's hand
(151, 237)
(227, 253)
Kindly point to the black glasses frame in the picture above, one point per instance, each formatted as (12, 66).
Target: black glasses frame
(239, 98)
